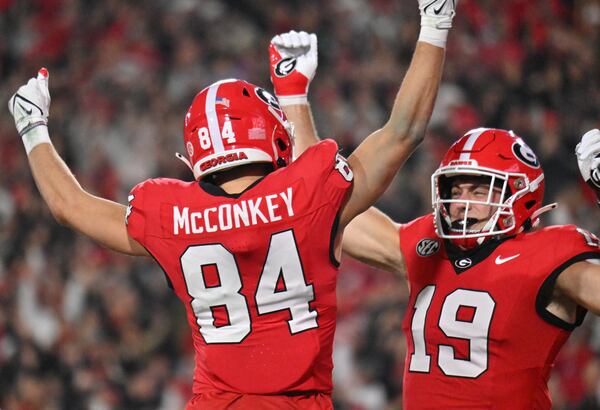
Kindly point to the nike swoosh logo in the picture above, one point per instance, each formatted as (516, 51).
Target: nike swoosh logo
(28, 111)
(438, 10)
(500, 260)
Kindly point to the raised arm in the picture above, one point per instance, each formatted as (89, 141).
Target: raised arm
(379, 157)
(373, 238)
(98, 218)
(293, 58)
(580, 282)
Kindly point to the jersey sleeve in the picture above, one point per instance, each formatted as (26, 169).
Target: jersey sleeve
(573, 244)
(137, 213)
(327, 169)
(570, 245)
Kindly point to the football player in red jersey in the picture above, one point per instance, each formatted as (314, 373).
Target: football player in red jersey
(492, 298)
(251, 246)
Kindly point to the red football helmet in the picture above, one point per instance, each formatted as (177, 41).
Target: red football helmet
(232, 123)
(506, 163)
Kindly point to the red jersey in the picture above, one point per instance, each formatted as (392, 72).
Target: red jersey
(478, 332)
(254, 270)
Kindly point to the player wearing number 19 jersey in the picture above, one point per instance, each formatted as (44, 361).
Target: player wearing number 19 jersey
(478, 332)
(486, 318)
(492, 298)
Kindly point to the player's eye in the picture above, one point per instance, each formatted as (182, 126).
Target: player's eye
(481, 192)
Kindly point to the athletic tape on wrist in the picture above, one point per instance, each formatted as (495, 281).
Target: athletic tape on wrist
(34, 136)
(434, 36)
(293, 100)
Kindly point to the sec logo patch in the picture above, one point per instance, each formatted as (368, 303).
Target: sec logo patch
(427, 247)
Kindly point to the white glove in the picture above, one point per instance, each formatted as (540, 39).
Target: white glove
(588, 158)
(30, 107)
(436, 20)
(293, 62)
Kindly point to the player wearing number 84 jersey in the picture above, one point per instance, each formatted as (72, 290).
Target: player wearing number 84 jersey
(254, 270)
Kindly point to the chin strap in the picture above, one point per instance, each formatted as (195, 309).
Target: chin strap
(535, 217)
(185, 161)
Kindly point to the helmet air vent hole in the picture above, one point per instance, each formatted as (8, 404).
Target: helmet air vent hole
(529, 204)
(245, 92)
(282, 145)
(281, 162)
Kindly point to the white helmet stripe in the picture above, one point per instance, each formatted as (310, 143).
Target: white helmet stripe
(470, 143)
(213, 120)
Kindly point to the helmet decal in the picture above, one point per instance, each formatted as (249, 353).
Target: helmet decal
(267, 97)
(525, 154)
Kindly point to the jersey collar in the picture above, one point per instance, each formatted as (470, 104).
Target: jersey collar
(216, 190)
(464, 260)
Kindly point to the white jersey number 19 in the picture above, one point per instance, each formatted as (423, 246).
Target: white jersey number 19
(476, 331)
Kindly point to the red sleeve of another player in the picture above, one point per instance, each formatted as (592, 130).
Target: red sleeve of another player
(572, 241)
(571, 244)
(136, 215)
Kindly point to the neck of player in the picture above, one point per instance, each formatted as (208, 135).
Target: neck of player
(236, 180)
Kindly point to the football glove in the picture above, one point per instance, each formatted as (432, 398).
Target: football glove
(293, 63)
(436, 20)
(29, 107)
(588, 158)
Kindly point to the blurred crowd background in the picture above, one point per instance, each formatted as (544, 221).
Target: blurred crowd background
(85, 328)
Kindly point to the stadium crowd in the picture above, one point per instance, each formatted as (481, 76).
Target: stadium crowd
(82, 327)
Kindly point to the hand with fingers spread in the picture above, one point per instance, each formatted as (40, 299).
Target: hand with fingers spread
(293, 63)
(588, 158)
(30, 107)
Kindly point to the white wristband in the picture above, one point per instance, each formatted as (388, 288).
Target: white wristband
(293, 100)
(434, 36)
(36, 136)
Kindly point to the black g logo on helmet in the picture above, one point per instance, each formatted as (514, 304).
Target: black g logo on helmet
(285, 66)
(267, 97)
(525, 155)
